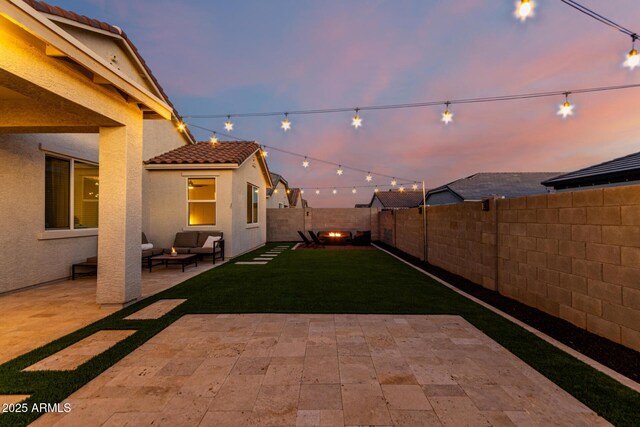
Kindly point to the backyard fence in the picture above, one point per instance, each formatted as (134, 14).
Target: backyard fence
(574, 255)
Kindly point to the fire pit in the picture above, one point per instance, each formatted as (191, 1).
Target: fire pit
(335, 237)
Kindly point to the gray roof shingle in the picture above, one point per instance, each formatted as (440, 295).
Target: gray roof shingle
(621, 169)
(399, 199)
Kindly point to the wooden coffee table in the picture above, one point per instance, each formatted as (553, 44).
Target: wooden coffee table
(166, 259)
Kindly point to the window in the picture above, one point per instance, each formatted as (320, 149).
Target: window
(71, 194)
(201, 201)
(252, 204)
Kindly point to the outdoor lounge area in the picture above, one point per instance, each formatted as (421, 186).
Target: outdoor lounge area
(389, 346)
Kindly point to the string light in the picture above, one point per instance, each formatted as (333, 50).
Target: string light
(401, 189)
(447, 116)
(335, 191)
(565, 109)
(228, 126)
(285, 124)
(414, 186)
(393, 182)
(375, 190)
(339, 171)
(213, 139)
(356, 122)
(632, 59)
(302, 191)
(368, 177)
(305, 163)
(354, 191)
(317, 191)
(181, 126)
(524, 9)
(264, 152)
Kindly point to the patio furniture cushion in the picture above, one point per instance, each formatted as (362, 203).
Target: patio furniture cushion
(186, 239)
(146, 246)
(152, 252)
(144, 239)
(211, 240)
(205, 251)
(203, 235)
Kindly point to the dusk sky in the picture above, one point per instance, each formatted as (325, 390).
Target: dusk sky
(221, 57)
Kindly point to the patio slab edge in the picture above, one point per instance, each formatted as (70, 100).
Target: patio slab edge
(594, 364)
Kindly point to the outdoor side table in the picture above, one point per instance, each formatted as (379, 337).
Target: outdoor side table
(167, 259)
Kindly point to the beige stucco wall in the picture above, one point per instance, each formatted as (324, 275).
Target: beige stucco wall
(273, 202)
(25, 257)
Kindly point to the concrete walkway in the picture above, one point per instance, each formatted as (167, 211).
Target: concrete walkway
(313, 370)
(34, 317)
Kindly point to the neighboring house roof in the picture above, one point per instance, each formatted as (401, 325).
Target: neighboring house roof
(46, 8)
(207, 153)
(499, 184)
(398, 199)
(362, 205)
(305, 204)
(275, 179)
(621, 169)
(294, 195)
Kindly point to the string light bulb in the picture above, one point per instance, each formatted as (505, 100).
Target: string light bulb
(339, 171)
(356, 122)
(182, 127)
(414, 186)
(447, 116)
(335, 191)
(524, 9)
(632, 59)
(265, 153)
(565, 109)
(228, 126)
(368, 177)
(285, 124)
(354, 191)
(213, 139)
(393, 182)
(401, 189)
(375, 190)
(302, 191)
(305, 163)
(317, 191)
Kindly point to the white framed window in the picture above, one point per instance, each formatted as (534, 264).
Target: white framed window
(252, 204)
(201, 201)
(71, 193)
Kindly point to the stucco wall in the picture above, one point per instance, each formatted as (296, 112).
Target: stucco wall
(283, 224)
(273, 202)
(26, 258)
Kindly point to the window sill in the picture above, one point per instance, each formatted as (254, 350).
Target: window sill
(199, 228)
(67, 234)
(252, 226)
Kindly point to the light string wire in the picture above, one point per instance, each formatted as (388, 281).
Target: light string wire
(407, 181)
(498, 98)
(600, 18)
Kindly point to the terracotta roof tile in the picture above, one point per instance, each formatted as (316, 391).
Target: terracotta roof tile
(207, 153)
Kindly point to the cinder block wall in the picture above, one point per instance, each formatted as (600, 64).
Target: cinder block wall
(283, 224)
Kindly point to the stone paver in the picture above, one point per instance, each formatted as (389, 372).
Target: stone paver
(156, 310)
(322, 370)
(251, 262)
(34, 317)
(76, 354)
(10, 399)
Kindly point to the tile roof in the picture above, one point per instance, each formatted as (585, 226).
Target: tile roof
(294, 195)
(207, 153)
(46, 8)
(275, 178)
(500, 184)
(398, 199)
(621, 169)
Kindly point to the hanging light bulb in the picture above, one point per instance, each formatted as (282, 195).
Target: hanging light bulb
(288, 191)
(524, 9)
(317, 191)
(228, 126)
(302, 191)
(181, 127)
(356, 122)
(393, 182)
(354, 191)
(565, 109)
(447, 116)
(265, 153)
(401, 189)
(305, 163)
(339, 171)
(632, 59)
(368, 177)
(213, 139)
(285, 124)
(414, 186)
(375, 190)
(335, 191)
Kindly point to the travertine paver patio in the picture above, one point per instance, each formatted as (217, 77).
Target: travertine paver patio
(34, 317)
(308, 370)
(155, 310)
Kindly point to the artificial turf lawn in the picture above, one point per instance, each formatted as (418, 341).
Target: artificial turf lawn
(317, 281)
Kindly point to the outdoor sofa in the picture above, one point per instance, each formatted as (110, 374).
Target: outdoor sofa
(192, 242)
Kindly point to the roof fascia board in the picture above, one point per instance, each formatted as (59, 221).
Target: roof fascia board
(191, 166)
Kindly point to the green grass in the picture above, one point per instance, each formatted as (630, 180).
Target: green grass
(319, 282)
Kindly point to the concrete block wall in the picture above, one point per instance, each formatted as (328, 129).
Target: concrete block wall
(461, 238)
(283, 224)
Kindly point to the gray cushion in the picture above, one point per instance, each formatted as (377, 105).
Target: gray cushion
(202, 236)
(186, 239)
(204, 251)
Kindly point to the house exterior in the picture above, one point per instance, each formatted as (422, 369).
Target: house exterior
(396, 199)
(72, 156)
(483, 185)
(295, 198)
(620, 171)
(209, 187)
(278, 195)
